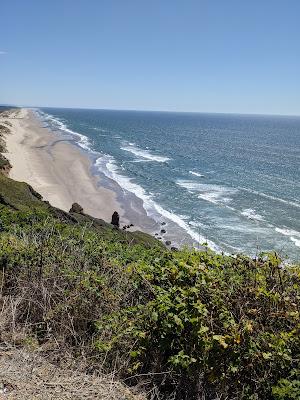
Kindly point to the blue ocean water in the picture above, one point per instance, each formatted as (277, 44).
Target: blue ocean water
(230, 180)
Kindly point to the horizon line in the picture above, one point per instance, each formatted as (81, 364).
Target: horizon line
(155, 111)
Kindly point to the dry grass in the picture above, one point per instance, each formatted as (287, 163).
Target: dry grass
(27, 374)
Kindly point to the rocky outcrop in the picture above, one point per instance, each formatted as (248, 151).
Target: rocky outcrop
(115, 219)
(76, 208)
(127, 227)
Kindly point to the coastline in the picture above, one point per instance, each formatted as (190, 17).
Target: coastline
(65, 168)
(56, 168)
(63, 172)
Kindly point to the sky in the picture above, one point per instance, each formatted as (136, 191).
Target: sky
(230, 56)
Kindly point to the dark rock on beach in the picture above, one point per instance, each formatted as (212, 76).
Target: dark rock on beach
(163, 231)
(168, 242)
(115, 219)
(76, 208)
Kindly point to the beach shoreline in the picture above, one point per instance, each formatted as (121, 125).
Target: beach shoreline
(56, 168)
(57, 165)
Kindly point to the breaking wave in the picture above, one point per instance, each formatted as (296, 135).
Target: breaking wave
(144, 154)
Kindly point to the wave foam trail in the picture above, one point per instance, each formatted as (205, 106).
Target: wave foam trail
(213, 193)
(131, 148)
(107, 165)
(268, 196)
(251, 214)
(287, 232)
(291, 233)
(296, 241)
(196, 174)
(59, 124)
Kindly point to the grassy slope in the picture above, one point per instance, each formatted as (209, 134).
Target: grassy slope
(4, 163)
(197, 324)
(20, 196)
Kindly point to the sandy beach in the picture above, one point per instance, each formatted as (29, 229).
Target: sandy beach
(63, 173)
(55, 168)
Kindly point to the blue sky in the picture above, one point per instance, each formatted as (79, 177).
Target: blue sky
(177, 55)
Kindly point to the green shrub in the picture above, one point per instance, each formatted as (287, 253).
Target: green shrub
(191, 324)
(218, 325)
(288, 388)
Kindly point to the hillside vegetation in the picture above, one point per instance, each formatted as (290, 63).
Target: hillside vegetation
(4, 163)
(182, 325)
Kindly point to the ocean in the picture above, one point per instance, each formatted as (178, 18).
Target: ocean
(231, 181)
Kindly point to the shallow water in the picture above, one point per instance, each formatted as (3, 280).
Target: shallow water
(231, 180)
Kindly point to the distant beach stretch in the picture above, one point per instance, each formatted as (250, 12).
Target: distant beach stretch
(59, 171)
(209, 178)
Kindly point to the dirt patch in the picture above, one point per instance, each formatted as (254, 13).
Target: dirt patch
(28, 376)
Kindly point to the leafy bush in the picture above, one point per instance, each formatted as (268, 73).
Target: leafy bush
(218, 325)
(189, 324)
(288, 388)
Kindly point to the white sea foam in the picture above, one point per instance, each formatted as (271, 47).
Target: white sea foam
(107, 165)
(251, 214)
(99, 129)
(219, 195)
(212, 193)
(291, 233)
(268, 196)
(60, 125)
(287, 232)
(145, 154)
(243, 228)
(196, 224)
(196, 174)
(139, 160)
(296, 241)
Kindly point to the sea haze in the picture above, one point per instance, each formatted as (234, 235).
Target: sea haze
(232, 180)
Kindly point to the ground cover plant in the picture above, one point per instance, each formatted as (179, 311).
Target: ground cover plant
(182, 324)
